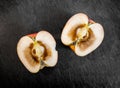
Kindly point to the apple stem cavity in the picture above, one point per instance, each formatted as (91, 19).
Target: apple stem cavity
(32, 36)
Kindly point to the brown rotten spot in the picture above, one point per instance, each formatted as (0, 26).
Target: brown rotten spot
(37, 51)
(83, 35)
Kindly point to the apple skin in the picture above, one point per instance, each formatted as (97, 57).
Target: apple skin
(91, 21)
(33, 35)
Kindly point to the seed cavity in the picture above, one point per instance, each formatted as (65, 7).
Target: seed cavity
(37, 50)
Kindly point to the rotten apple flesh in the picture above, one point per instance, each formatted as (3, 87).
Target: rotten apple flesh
(82, 34)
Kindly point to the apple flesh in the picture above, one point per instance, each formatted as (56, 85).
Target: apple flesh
(37, 51)
(82, 34)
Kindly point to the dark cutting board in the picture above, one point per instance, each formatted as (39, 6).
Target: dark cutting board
(100, 69)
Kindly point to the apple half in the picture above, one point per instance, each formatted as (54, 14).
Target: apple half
(82, 34)
(37, 51)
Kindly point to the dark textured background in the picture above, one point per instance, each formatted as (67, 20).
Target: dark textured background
(100, 69)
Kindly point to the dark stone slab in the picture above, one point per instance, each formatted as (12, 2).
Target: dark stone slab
(100, 69)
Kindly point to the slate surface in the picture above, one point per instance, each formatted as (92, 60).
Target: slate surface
(100, 69)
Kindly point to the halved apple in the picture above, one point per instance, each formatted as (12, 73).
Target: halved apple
(83, 35)
(37, 51)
